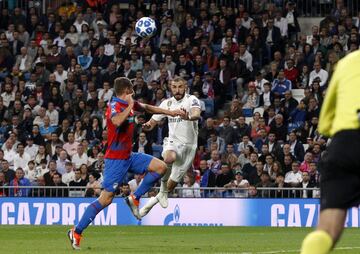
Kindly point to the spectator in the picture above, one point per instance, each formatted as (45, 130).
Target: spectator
(21, 159)
(31, 148)
(192, 188)
(69, 174)
(294, 177)
(265, 183)
(249, 169)
(80, 157)
(306, 184)
(279, 128)
(48, 177)
(60, 191)
(41, 155)
(214, 163)
(296, 147)
(281, 84)
(208, 178)
(71, 146)
(9, 173)
(19, 181)
(239, 183)
(94, 184)
(134, 183)
(31, 173)
(320, 73)
(214, 138)
(78, 181)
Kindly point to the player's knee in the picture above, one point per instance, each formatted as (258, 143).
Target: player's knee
(169, 157)
(162, 168)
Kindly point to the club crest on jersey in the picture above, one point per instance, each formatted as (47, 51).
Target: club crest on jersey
(195, 103)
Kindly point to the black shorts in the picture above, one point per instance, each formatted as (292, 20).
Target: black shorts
(340, 171)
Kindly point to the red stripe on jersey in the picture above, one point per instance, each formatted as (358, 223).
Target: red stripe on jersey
(119, 138)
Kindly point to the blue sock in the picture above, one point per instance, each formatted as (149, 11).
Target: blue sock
(89, 215)
(148, 182)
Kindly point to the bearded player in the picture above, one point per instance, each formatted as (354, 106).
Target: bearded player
(119, 159)
(180, 147)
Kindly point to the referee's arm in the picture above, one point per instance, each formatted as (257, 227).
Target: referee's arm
(327, 113)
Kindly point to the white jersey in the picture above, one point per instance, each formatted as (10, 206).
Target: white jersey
(182, 131)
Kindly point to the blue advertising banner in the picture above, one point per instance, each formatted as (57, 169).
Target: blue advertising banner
(180, 212)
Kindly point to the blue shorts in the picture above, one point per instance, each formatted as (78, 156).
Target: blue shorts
(116, 170)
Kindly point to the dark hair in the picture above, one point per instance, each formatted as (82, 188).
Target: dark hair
(120, 84)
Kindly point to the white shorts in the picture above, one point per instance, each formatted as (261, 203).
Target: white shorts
(185, 154)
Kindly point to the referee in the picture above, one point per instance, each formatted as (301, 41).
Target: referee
(340, 168)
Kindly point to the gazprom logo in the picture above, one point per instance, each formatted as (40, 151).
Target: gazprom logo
(177, 213)
(173, 219)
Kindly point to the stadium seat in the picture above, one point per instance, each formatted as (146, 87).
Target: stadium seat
(247, 112)
(298, 94)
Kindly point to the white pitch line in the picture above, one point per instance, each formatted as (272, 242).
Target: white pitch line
(295, 251)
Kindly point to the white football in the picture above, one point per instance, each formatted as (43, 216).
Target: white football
(145, 27)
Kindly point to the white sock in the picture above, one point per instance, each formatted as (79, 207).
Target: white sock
(164, 179)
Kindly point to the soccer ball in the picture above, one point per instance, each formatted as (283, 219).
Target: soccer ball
(145, 27)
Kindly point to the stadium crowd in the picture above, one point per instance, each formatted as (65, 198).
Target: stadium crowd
(57, 72)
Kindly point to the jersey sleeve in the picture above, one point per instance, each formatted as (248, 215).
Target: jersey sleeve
(159, 117)
(114, 109)
(194, 102)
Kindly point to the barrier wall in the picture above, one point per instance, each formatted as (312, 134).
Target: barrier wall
(181, 212)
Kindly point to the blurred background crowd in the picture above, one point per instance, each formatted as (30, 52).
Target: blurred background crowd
(261, 82)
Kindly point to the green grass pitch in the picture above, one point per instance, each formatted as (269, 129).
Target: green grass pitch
(141, 239)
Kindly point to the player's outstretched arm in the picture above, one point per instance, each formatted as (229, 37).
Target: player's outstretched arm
(149, 125)
(157, 110)
(120, 117)
(192, 115)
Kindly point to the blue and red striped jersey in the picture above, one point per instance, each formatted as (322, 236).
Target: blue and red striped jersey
(119, 138)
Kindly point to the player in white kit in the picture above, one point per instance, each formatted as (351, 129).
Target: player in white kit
(180, 147)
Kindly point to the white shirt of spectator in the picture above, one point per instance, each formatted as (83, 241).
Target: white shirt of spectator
(9, 155)
(107, 95)
(8, 98)
(79, 25)
(32, 150)
(21, 161)
(109, 49)
(242, 146)
(260, 85)
(68, 177)
(290, 18)
(194, 192)
(133, 185)
(71, 148)
(282, 24)
(246, 23)
(241, 193)
(182, 131)
(223, 42)
(322, 74)
(41, 171)
(292, 177)
(267, 101)
(61, 77)
(79, 160)
(248, 59)
(60, 42)
(54, 117)
(22, 66)
(32, 175)
(305, 192)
